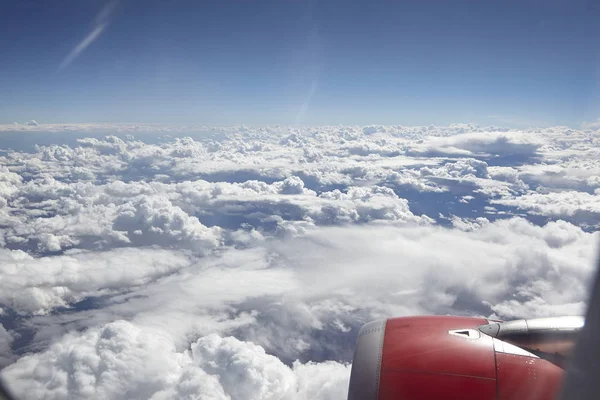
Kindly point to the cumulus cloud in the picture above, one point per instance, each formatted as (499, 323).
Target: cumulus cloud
(239, 262)
(156, 221)
(580, 207)
(123, 360)
(38, 285)
(496, 147)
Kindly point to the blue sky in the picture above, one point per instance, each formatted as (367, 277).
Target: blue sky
(300, 62)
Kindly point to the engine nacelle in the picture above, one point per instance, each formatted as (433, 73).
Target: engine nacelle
(458, 357)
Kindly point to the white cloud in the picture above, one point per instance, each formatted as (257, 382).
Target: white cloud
(240, 262)
(319, 284)
(481, 143)
(37, 285)
(123, 360)
(580, 207)
(591, 125)
(154, 220)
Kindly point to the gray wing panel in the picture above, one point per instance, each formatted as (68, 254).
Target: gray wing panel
(583, 373)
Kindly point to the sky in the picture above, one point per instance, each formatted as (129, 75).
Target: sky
(209, 199)
(511, 63)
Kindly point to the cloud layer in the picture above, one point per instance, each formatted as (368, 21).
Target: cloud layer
(234, 263)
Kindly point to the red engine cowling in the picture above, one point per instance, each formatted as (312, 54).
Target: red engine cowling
(446, 357)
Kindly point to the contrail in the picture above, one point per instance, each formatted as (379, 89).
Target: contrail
(101, 22)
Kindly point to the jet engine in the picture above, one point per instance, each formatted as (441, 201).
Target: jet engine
(463, 358)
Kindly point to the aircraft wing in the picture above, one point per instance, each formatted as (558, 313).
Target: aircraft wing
(583, 372)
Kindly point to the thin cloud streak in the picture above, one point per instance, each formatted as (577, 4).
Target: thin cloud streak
(77, 50)
(101, 23)
(591, 125)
